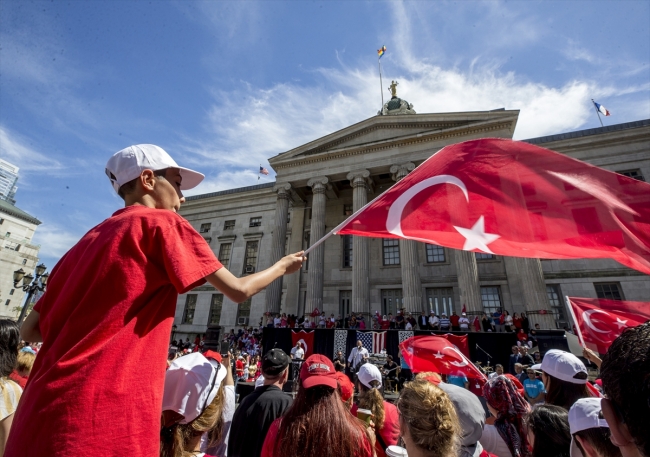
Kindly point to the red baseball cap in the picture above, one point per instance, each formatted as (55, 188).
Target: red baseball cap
(318, 370)
(347, 389)
(212, 355)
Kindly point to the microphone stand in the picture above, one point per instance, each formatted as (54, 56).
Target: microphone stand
(484, 352)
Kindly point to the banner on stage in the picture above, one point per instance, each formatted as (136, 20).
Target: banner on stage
(306, 340)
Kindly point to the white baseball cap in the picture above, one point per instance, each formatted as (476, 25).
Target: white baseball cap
(583, 415)
(563, 366)
(368, 373)
(127, 164)
(191, 384)
(259, 382)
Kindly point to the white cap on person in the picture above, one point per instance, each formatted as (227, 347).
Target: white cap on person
(368, 373)
(564, 366)
(583, 415)
(191, 384)
(259, 382)
(127, 164)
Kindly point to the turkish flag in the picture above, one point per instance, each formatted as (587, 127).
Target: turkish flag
(306, 340)
(602, 321)
(437, 354)
(459, 341)
(515, 199)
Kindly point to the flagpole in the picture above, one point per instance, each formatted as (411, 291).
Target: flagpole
(381, 84)
(597, 112)
(258, 173)
(575, 320)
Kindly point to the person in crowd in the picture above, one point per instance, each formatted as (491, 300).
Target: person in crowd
(259, 409)
(428, 421)
(434, 322)
(463, 322)
(515, 358)
(498, 322)
(346, 389)
(525, 323)
(339, 361)
(445, 323)
(458, 379)
(411, 320)
(537, 357)
(564, 377)
(625, 372)
(520, 373)
(471, 416)
(516, 322)
(339, 322)
(297, 353)
(534, 388)
(384, 322)
(24, 364)
(400, 322)
(454, 321)
(384, 413)
(390, 372)
(277, 320)
(322, 320)
(11, 391)
(548, 431)
(525, 358)
(486, 323)
(358, 355)
(212, 444)
(331, 322)
(192, 405)
(532, 338)
(508, 322)
(352, 323)
(507, 437)
(522, 337)
(498, 371)
(423, 321)
(318, 423)
(123, 316)
(408, 325)
(590, 434)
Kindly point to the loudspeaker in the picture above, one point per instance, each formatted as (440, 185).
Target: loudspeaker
(551, 339)
(212, 340)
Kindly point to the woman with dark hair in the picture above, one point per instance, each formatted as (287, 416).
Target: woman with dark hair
(525, 323)
(564, 377)
(317, 423)
(548, 431)
(507, 437)
(9, 391)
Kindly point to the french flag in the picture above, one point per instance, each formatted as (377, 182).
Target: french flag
(601, 108)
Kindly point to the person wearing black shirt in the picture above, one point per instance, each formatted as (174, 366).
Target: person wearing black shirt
(423, 321)
(399, 321)
(339, 361)
(525, 359)
(514, 358)
(259, 409)
(390, 370)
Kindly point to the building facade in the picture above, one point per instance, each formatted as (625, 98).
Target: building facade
(8, 180)
(320, 183)
(16, 251)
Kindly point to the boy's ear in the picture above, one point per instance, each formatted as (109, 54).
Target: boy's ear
(147, 179)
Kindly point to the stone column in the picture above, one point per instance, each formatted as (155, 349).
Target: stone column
(360, 258)
(528, 290)
(317, 256)
(411, 284)
(470, 290)
(278, 243)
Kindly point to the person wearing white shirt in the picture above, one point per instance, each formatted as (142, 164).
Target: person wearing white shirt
(434, 322)
(408, 326)
(357, 355)
(463, 322)
(298, 353)
(277, 321)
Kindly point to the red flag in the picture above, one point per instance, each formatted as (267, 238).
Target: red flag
(435, 353)
(463, 310)
(459, 341)
(306, 340)
(602, 321)
(514, 199)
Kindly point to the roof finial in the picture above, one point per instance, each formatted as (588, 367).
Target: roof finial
(393, 89)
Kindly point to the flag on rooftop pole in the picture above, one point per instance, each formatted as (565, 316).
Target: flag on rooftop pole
(263, 170)
(600, 109)
(515, 199)
(381, 51)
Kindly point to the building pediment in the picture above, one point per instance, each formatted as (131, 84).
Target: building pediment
(383, 131)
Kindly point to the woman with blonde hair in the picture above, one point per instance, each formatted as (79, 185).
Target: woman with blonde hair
(10, 392)
(428, 420)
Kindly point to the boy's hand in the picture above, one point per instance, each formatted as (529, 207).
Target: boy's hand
(293, 262)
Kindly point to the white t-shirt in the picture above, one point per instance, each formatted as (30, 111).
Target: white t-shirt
(433, 321)
(463, 322)
(408, 326)
(277, 321)
(493, 443)
(10, 393)
(297, 353)
(508, 320)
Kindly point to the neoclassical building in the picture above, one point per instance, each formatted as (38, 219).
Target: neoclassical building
(320, 183)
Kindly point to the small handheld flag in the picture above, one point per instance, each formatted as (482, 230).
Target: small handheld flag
(381, 51)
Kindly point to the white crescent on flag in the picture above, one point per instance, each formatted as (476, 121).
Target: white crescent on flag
(586, 316)
(462, 357)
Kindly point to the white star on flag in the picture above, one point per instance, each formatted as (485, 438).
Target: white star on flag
(621, 323)
(438, 355)
(476, 238)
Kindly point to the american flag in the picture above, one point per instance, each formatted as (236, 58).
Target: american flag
(263, 170)
(373, 341)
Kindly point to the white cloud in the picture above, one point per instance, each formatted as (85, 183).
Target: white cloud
(16, 150)
(229, 180)
(54, 240)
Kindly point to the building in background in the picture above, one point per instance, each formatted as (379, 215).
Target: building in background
(8, 180)
(16, 251)
(320, 183)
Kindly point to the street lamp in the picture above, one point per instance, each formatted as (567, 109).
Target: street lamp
(30, 285)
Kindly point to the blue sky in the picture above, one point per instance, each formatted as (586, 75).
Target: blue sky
(223, 86)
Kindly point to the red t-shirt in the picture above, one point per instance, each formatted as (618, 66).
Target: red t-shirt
(454, 320)
(390, 431)
(97, 384)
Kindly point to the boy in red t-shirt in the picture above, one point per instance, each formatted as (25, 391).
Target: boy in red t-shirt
(96, 386)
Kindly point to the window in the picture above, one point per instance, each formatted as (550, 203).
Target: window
(391, 301)
(244, 309)
(229, 225)
(24, 261)
(491, 299)
(11, 292)
(435, 254)
(190, 306)
(1, 221)
(205, 228)
(635, 174)
(347, 251)
(347, 210)
(7, 235)
(250, 258)
(610, 290)
(344, 302)
(7, 302)
(557, 305)
(224, 253)
(483, 256)
(215, 308)
(391, 251)
(255, 222)
(441, 300)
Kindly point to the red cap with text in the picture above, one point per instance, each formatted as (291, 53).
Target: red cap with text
(318, 370)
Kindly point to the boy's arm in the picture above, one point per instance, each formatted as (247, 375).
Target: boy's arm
(30, 331)
(240, 289)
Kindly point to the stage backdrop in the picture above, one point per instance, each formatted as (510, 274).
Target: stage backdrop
(328, 341)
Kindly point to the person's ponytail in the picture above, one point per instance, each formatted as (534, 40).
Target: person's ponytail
(373, 400)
